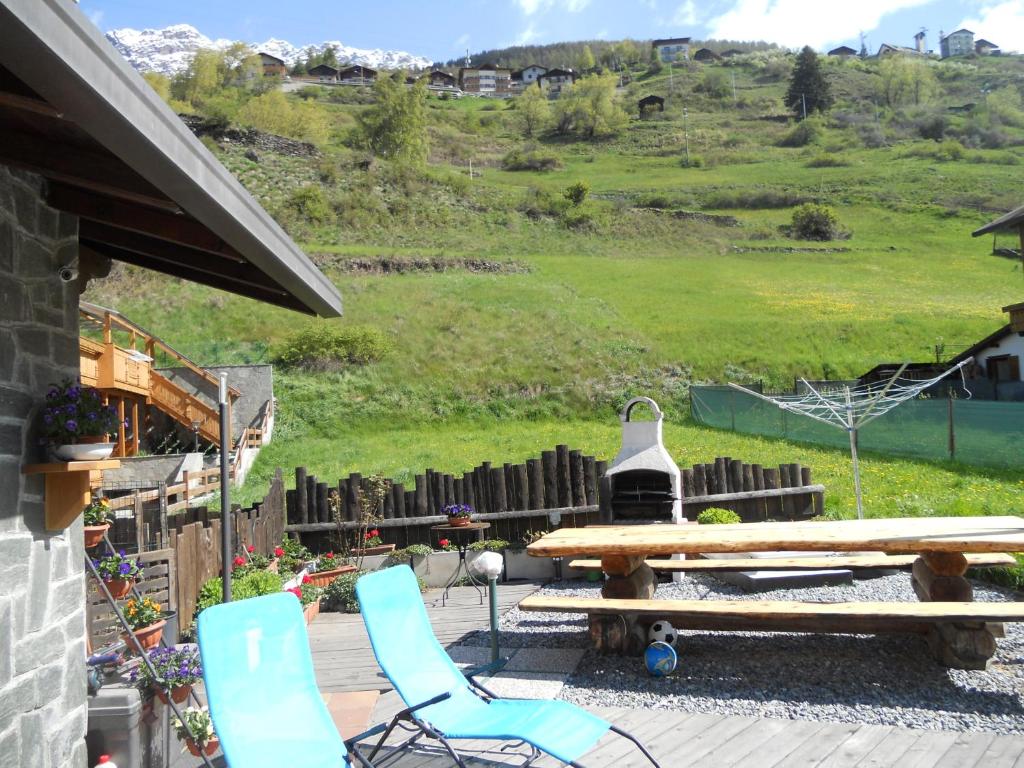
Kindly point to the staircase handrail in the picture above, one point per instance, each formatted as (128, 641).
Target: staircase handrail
(105, 317)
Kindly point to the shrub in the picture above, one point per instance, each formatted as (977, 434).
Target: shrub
(489, 545)
(310, 202)
(755, 199)
(577, 193)
(717, 516)
(800, 135)
(951, 149)
(826, 161)
(530, 160)
(323, 347)
(815, 222)
(251, 584)
(340, 594)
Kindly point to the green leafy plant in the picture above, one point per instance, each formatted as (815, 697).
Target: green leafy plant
(328, 562)
(718, 516)
(306, 591)
(321, 346)
(251, 584)
(98, 512)
(175, 667)
(577, 193)
(291, 555)
(142, 613)
(530, 160)
(340, 594)
(815, 222)
(489, 545)
(197, 726)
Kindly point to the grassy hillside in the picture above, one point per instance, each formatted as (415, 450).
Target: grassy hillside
(629, 292)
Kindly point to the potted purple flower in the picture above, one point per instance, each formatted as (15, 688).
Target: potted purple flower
(118, 572)
(77, 424)
(177, 670)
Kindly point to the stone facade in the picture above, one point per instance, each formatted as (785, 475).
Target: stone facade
(42, 584)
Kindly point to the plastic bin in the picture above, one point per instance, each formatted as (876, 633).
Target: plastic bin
(134, 735)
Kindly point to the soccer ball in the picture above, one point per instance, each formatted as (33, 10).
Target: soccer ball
(662, 632)
(660, 659)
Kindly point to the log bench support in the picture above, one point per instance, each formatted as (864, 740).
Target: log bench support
(628, 578)
(939, 577)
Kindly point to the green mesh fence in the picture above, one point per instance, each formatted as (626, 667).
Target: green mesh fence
(985, 433)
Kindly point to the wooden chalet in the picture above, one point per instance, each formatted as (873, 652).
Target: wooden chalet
(706, 55)
(843, 52)
(439, 79)
(357, 74)
(323, 73)
(272, 65)
(651, 103)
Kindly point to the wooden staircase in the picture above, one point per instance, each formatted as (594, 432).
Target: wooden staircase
(126, 377)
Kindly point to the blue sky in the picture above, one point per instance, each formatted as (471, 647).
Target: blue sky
(443, 30)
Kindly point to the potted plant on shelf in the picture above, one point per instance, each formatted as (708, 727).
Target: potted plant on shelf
(199, 736)
(459, 515)
(77, 424)
(96, 517)
(118, 572)
(177, 669)
(146, 621)
(327, 568)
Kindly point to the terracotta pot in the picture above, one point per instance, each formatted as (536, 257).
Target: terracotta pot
(211, 746)
(459, 522)
(380, 549)
(323, 578)
(148, 637)
(178, 694)
(311, 611)
(94, 534)
(274, 565)
(118, 588)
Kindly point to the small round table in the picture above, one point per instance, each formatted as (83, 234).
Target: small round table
(462, 536)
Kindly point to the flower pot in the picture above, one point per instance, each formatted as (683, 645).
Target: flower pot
(148, 637)
(84, 451)
(458, 522)
(211, 746)
(311, 611)
(178, 693)
(323, 578)
(380, 549)
(94, 534)
(118, 588)
(273, 566)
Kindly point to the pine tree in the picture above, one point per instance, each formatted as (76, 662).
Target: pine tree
(808, 87)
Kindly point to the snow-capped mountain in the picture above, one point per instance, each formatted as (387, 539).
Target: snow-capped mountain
(168, 50)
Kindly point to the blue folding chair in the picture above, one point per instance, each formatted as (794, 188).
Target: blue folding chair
(262, 694)
(443, 703)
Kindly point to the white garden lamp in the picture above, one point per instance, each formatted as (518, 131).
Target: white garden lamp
(491, 564)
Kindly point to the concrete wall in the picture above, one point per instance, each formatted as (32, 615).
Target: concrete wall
(254, 382)
(147, 471)
(42, 585)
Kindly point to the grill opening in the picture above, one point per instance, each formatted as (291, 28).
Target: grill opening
(642, 495)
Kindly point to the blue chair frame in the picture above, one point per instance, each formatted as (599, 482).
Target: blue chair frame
(445, 704)
(261, 689)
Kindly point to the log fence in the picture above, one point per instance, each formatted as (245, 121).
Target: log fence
(752, 491)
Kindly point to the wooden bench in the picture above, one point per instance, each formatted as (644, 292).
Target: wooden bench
(940, 621)
(844, 562)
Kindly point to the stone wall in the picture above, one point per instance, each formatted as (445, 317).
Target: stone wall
(42, 586)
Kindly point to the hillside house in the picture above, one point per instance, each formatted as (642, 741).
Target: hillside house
(486, 80)
(528, 75)
(959, 43)
(357, 74)
(888, 49)
(650, 104)
(983, 47)
(272, 66)
(323, 73)
(706, 55)
(672, 48)
(438, 79)
(730, 53)
(843, 52)
(554, 80)
(96, 168)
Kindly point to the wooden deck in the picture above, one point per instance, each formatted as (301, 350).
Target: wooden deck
(694, 739)
(341, 649)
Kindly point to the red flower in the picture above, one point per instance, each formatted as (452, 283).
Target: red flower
(250, 549)
(278, 552)
(375, 532)
(305, 578)
(443, 542)
(329, 555)
(297, 591)
(239, 561)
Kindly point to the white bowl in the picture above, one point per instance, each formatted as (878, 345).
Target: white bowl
(84, 451)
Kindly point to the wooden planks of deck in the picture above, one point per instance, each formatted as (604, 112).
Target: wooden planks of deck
(703, 740)
(343, 658)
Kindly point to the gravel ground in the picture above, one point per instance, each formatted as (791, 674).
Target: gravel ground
(874, 679)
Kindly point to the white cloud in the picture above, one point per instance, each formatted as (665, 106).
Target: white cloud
(685, 15)
(1000, 23)
(527, 36)
(96, 17)
(796, 23)
(462, 41)
(530, 7)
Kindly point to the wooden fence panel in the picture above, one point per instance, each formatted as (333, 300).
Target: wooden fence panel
(158, 582)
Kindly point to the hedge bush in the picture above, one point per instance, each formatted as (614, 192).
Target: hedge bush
(718, 516)
(324, 347)
(815, 222)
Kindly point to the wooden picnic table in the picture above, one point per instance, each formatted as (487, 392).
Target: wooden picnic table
(937, 574)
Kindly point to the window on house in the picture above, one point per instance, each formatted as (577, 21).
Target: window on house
(1003, 368)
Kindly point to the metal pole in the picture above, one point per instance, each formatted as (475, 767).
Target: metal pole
(686, 137)
(853, 453)
(492, 594)
(225, 489)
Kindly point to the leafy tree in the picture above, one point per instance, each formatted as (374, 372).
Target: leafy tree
(807, 85)
(586, 60)
(200, 79)
(628, 52)
(588, 107)
(395, 127)
(577, 193)
(905, 80)
(159, 83)
(273, 112)
(533, 110)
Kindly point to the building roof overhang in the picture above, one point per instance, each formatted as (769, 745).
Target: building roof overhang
(145, 190)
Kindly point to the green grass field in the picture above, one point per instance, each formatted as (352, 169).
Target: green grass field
(625, 295)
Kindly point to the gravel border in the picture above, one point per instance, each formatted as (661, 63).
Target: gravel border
(871, 679)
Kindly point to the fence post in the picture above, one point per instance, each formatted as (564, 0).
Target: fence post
(140, 539)
(161, 490)
(188, 491)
